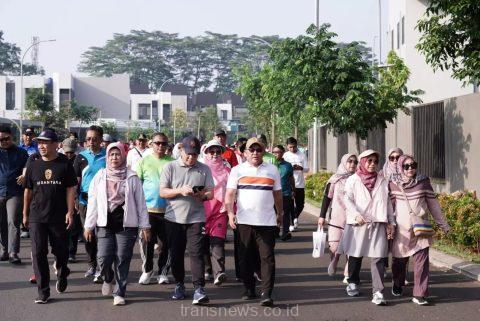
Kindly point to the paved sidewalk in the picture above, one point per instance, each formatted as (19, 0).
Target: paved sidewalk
(303, 291)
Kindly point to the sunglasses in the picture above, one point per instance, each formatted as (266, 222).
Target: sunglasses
(253, 150)
(353, 161)
(393, 158)
(369, 161)
(5, 139)
(413, 165)
(160, 143)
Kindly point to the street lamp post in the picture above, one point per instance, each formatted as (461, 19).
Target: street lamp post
(21, 79)
(158, 107)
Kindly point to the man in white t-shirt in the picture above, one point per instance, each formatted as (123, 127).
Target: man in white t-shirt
(300, 166)
(255, 186)
(137, 153)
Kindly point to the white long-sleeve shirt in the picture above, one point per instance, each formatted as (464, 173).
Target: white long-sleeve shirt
(297, 158)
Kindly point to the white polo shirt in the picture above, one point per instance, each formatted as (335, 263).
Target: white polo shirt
(255, 186)
(297, 158)
(134, 156)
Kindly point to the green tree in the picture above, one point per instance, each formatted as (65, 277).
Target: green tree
(39, 107)
(451, 38)
(207, 122)
(10, 60)
(111, 129)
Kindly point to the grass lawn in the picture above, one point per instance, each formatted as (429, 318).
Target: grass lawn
(456, 250)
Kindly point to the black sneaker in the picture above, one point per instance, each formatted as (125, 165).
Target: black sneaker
(61, 285)
(286, 237)
(14, 259)
(397, 291)
(249, 295)
(266, 300)
(42, 299)
(4, 256)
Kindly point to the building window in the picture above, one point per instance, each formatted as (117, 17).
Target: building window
(403, 30)
(224, 114)
(398, 35)
(10, 96)
(429, 143)
(143, 111)
(392, 41)
(166, 112)
(154, 109)
(64, 97)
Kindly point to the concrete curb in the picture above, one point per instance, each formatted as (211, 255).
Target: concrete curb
(437, 258)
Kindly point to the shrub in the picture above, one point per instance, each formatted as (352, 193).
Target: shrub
(462, 210)
(315, 185)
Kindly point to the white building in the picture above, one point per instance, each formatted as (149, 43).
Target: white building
(10, 92)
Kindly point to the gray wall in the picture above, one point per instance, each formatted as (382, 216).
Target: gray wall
(111, 95)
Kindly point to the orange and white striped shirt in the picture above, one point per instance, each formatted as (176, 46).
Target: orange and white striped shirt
(255, 186)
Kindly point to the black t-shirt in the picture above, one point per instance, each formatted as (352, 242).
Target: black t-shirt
(49, 181)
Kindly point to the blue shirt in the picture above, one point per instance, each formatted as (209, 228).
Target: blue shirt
(86, 165)
(286, 174)
(12, 162)
(31, 149)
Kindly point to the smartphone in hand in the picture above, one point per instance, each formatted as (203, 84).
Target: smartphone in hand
(197, 189)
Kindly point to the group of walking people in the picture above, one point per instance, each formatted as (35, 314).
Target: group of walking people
(173, 205)
(376, 213)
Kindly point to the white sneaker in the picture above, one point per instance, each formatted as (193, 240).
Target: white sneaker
(118, 300)
(295, 223)
(352, 289)
(54, 265)
(221, 277)
(107, 289)
(208, 277)
(163, 279)
(378, 299)
(291, 228)
(332, 269)
(345, 280)
(156, 247)
(145, 277)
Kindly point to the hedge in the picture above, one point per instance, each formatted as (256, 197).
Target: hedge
(462, 210)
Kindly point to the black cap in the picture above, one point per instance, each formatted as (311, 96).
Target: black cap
(191, 145)
(142, 137)
(29, 131)
(48, 134)
(220, 132)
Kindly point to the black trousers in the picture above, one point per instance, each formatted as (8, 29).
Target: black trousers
(260, 239)
(288, 213)
(74, 234)
(90, 247)
(39, 236)
(236, 251)
(299, 201)
(147, 250)
(190, 237)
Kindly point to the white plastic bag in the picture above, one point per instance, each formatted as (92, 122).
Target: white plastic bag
(319, 241)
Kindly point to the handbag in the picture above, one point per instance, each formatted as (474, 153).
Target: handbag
(319, 242)
(421, 226)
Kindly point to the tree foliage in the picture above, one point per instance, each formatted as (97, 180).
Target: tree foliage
(207, 122)
(203, 62)
(10, 60)
(451, 37)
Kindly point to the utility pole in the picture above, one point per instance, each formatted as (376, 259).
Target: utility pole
(380, 31)
(315, 121)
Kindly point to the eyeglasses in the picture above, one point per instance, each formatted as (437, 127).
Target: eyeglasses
(353, 161)
(253, 150)
(413, 165)
(393, 158)
(215, 151)
(370, 161)
(5, 139)
(160, 143)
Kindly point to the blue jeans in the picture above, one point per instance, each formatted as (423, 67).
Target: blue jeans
(116, 248)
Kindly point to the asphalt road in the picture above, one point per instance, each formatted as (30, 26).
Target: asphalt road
(303, 291)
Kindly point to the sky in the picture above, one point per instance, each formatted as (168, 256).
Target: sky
(78, 25)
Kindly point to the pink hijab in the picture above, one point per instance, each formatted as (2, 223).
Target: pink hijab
(368, 179)
(116, 177)
(220, 173)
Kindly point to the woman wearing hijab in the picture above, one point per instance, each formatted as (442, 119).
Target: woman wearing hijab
(411, 195)
(389, 170)
(216, 214)
(117, 209)
(369, 223)
(333, 196)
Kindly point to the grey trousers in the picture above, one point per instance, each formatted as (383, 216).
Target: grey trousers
(116, 248)
(10, 219)
(214, 255)
(377, 268)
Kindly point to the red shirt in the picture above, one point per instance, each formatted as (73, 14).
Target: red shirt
(230, 157)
